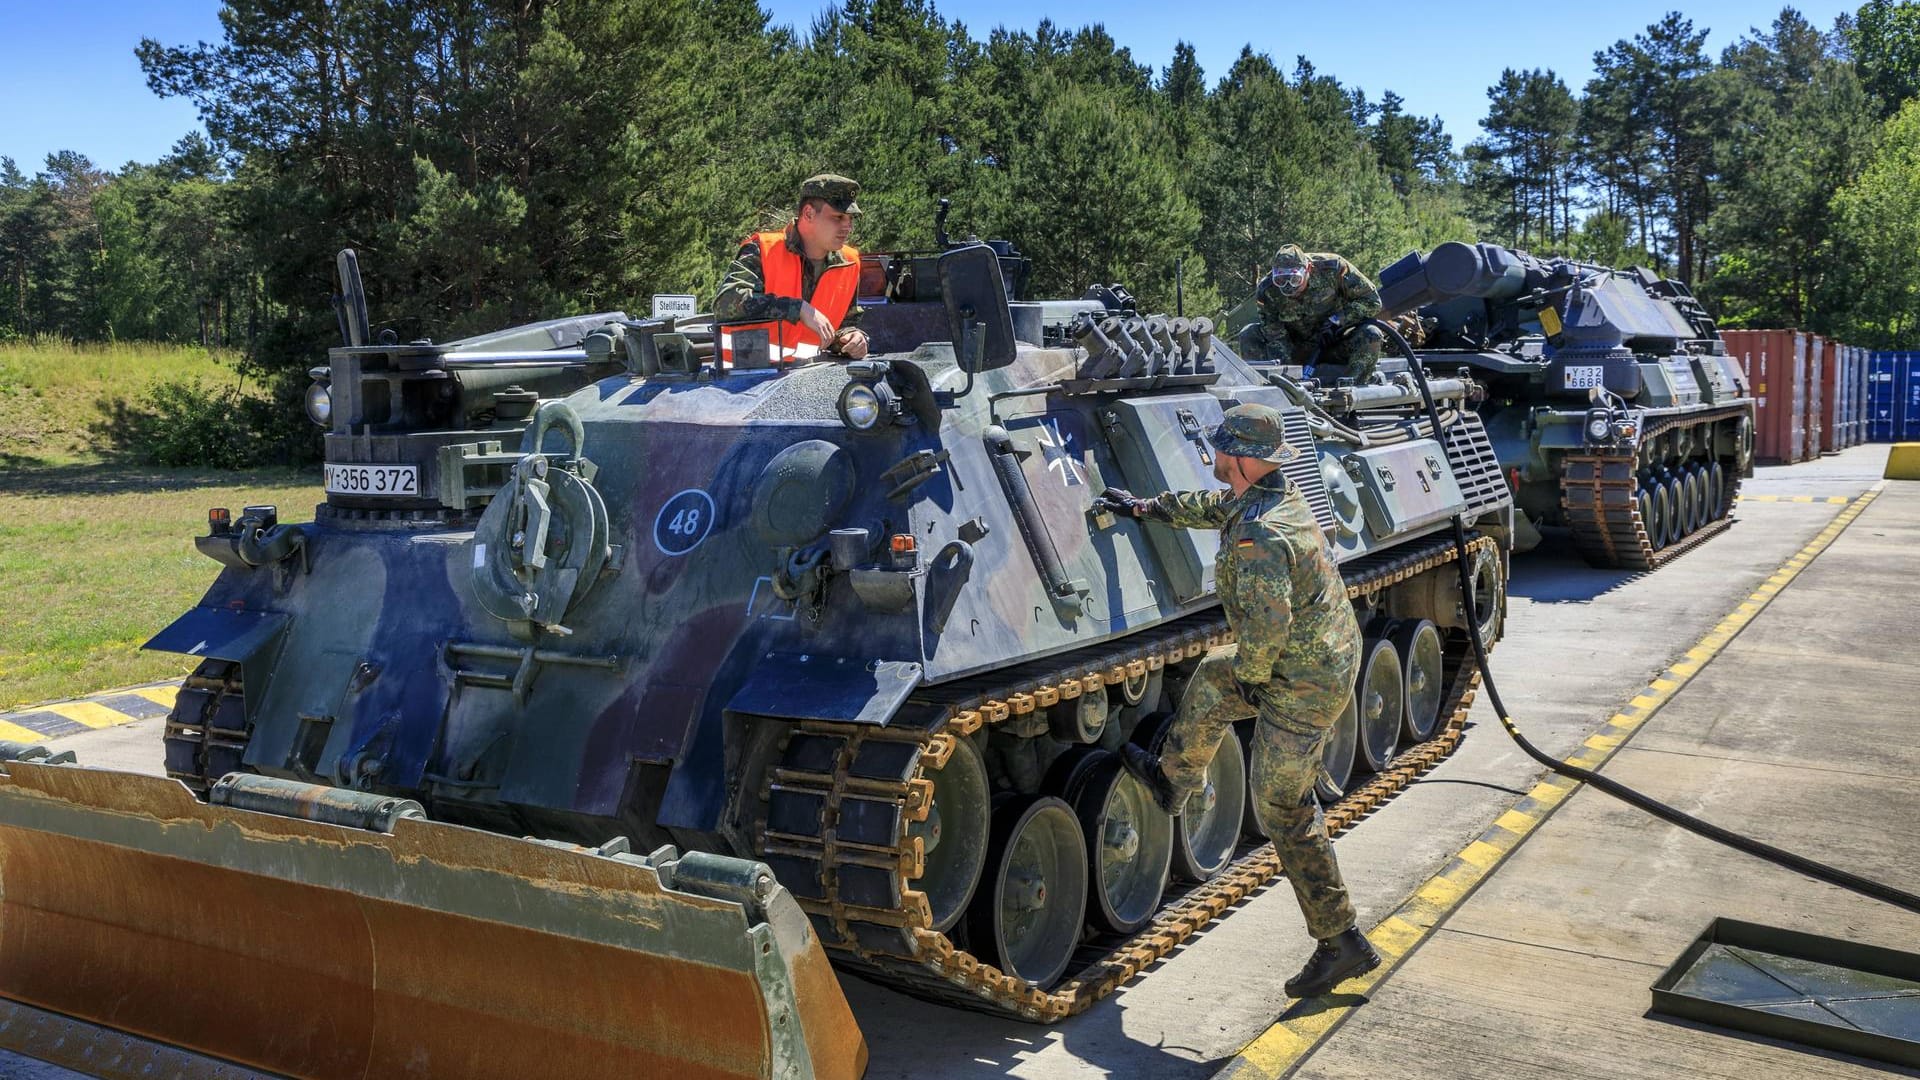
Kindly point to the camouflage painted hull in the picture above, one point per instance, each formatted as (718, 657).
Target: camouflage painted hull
(858, 622)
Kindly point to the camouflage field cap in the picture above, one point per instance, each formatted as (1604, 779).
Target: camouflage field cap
(1252, 431)
(837, 190)
(1289, 256)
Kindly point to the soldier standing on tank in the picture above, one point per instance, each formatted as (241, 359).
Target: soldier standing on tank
(1293, 666)
(1307, 305)
(799, 283)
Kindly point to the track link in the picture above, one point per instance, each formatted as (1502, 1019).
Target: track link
(207, 731)
(1598, 496)
(840, 801)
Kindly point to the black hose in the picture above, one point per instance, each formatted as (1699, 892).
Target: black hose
(1819, 871)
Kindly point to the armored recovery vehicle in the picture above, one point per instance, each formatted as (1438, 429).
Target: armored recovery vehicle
(1610, 399)
(855, 622)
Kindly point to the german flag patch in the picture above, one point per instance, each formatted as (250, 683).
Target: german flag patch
(1244, 545)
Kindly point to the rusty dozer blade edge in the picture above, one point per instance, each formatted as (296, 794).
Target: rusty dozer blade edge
(328, 933)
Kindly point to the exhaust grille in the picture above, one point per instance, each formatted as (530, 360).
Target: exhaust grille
(1304, 468)
(1475, 466)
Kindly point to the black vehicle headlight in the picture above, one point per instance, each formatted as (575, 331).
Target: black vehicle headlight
(320, 404)
(865, 406)
(1599, 426)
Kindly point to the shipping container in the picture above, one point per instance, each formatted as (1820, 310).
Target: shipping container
(1839, 405)
(1776, 365)
(1841, 408)
(1893, 401)
(1857, 396)
(1861, 360)
(1819, 358)
(1880, 419)
(1836, 398)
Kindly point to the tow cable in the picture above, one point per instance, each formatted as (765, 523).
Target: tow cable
(1819, 871)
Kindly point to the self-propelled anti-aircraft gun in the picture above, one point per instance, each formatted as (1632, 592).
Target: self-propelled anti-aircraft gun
(1610, 400)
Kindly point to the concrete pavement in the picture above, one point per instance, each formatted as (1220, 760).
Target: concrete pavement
(1580, 643)
(1799, 732)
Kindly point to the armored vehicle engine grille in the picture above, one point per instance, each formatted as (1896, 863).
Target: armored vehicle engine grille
(1475, 465)
(1304, 468)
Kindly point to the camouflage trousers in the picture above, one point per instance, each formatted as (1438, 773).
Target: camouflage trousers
(1293, 723)
(1352, 357)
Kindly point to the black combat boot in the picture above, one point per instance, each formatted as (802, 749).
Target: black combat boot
(1339, 957)
(1145, 768)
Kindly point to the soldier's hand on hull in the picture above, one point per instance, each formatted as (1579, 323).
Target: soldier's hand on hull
(850, 342)
(1120, 501)
(1329, 334)
(811, 318)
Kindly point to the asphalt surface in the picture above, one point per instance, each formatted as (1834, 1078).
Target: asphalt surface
(1579, 644)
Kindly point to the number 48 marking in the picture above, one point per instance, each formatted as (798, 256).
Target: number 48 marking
(683, 522)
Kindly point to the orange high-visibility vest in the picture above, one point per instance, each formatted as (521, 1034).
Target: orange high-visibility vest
(781, 268)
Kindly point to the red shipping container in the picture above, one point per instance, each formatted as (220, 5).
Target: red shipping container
(1819, 358)
(1832, 400)
(1776, 364)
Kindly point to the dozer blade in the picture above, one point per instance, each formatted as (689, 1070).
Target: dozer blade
(328, 933)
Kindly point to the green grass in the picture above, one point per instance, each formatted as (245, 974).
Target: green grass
(53, 394)
(94, 559)
(97, 555)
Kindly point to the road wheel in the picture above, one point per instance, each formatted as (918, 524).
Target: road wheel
(1026, 918)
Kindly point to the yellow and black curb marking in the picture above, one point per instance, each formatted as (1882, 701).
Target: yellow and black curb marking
(1281, 1048)
(108, 709)
(1838, 500)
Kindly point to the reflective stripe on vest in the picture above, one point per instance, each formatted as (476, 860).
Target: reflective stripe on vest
(781, 270)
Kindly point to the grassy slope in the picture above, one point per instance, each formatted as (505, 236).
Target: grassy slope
(96, 556)
(53, 394)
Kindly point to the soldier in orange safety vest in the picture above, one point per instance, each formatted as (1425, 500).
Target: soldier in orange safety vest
(799, 284)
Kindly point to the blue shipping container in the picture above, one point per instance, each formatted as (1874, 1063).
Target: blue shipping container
(1893, 397)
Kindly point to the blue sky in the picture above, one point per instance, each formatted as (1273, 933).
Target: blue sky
(69, 81)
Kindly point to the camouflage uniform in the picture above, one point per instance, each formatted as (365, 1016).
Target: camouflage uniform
(1289, 325)
(1298, 651)
(743, 292)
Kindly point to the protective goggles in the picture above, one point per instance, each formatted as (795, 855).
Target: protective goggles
(1289, 279)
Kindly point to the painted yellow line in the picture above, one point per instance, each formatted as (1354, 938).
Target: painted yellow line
(90, 713)
(1395, 936)
(1516, 822)
(159, 695)
(16, 733)
(1481, 854)
(1280, 1049)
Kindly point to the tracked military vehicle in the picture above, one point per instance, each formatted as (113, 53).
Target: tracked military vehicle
(1610, 399)
(858, 622)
